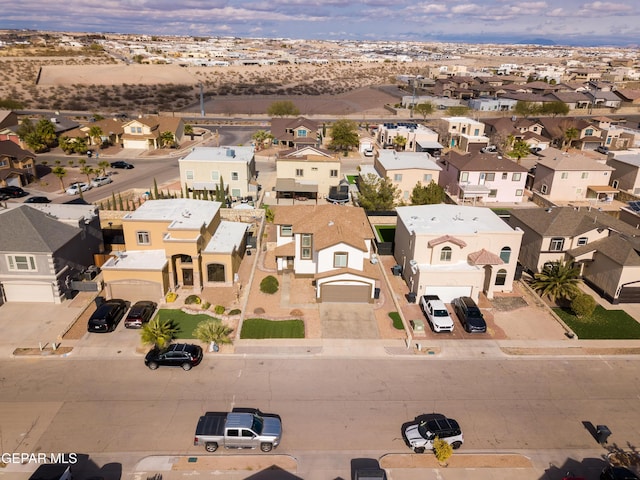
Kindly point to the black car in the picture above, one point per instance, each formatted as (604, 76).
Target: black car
(140, 313)
(37, 200)
(185, 355)
(602, 149)
(617, 473)
(121, 164)
(13, 192)
(469, 315)
(107, 316)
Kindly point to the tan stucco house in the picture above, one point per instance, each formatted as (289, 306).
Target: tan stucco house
(406, 169)
(306, 172)
(145, 133)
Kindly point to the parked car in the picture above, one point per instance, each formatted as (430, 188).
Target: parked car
(185, 355)
(121, 164)
(535, 150)
(469, 314)
(107, 316)
(617, 473)
(602, 149)
(420, 436)
(99, 181)
(140, 313)
(76, 188)
(489, 149)
(13, 191)
(37, 199)
(436, 313)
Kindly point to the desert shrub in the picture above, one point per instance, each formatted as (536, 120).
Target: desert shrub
(296, 313)
(583, 305)
(258, 311)
(192, 299)
(171, 297)
(236, 311)
(269, 285)
(206, 305)
(219, 309)
(442, 450)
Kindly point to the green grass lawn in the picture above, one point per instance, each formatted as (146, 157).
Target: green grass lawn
(185, 321)
(397, 321)
(352, 179)
(386, 233)
(602, 325)
(261, 328)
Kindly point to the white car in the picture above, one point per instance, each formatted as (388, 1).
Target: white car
(76, 188)
(99, 181)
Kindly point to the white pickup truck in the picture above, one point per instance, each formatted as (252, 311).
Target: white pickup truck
(436, 313)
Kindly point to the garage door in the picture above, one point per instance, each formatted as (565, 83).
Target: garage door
(345, 293)
(136, 144)
(136, 291)
(629, 294)
(448, 293)
(29, 292)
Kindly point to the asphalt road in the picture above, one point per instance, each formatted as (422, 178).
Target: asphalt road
(118, 410)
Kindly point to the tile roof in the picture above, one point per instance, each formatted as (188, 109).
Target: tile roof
(11, 149)
(621, 250)
(484, 257)
(558, 160)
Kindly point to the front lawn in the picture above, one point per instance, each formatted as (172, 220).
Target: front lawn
(262, 328)
(602, 325)
(186, 322)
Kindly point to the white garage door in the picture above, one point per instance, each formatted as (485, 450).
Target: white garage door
(136, 144)
(28, 292)
(448, 293)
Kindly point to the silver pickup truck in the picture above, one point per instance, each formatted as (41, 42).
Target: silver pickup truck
(247, 428)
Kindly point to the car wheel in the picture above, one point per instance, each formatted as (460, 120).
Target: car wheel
(152, 365)
(419, 449)
(186, 366)
(266, 447)
(211, 446)
(456, 445)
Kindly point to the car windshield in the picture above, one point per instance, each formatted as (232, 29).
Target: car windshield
(440, 313)
(423, 430)
(257, 424)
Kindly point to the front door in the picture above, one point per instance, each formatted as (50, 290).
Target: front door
(187, 277)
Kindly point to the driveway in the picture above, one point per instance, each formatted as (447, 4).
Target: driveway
(348, 320)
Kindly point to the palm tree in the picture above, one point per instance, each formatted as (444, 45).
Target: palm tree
(158, 333)
(59, 172)
(167, 138)
(260, 138)
(570, 134)
(399, 141)
(558, 280)
(213, 332)
(519, 149)
(95, 133)
(87, 170)
(188, 130)
(103, 165)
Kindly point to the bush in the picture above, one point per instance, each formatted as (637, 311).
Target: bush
(583, 305)
(206, 305)
(269, 285)
(235, 311)
(192, 299)
(219, 309)
(442, 450)
(171, 297)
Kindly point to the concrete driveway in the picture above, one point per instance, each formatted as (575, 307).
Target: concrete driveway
(348, 320)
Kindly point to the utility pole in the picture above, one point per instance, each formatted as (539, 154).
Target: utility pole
(201, 101)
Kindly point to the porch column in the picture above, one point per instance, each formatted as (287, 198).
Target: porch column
(172, 274)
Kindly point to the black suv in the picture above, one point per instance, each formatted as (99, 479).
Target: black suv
(140, 314)
(183, 355)
(469, 315)
(121, 164)
(107, 316)
(13, 192)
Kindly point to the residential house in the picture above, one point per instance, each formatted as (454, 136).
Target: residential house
(626, 170)
(112, 132)
(486, 104)
(17, 166)
(418, 138)
(604, 248)
(454, 250)
(483, 177)
(565, 177)
(306, 173)
(146, 133)
(502, 129)
(406, 169)
(331, 245)
(174, 244)
(606, 99)
(574, 100)
(8, 125)
(465, 133)
(295, 132)
(43, 247)
(629, 97)
(206, 168)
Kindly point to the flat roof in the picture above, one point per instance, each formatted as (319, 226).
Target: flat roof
(137, 260)
(392, 160)
(446, 219)
(183, 213)
(228, 237)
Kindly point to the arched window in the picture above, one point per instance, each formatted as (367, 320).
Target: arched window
(501, 277)
(445, 254)
(505, 254)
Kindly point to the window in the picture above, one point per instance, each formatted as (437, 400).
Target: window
(493, 193)
(302, 133)
(405, 195)
(233, 432)
(516, 177)
(504, 176)
(501, 277)
(588, 132)
(3, 163)
(519, 192)
(464, 177)
(333, 173)
(299, 172)
(490, 177)
(615, 184)
(427, 177)
(397, 177)
(584, 175)
(235, 192)
(306, 243)
(582, 241)
(556, 244)
(143, 238)
(234, 176)
(564, 175)
(189, 174)
(314, 169)
(286, 230)
(340, 259)
(247, 433)
(505, 254)
(543, 189)
(215, 176)
(445, 254)
(22, 263)
(476, 132)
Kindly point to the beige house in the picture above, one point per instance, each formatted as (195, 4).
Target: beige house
(417, 137)
(307, 172)
(17, 166)
(465, 133)
(145, 133)
(453, 251)
(171, 244)
(206, 168)
(406, 169)
(626, 173)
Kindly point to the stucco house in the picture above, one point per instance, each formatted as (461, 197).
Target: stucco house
(204, 168)
(453, 251)
(418, 138)
(42, 247)
(483, 177)
(17, 166)
(626, 170)
(332, 246)
(604, 248)
(144, 133)
(306, 173)
(295, 132)
(112, 131)
(174, 244)
(465, 133)
(406, 169)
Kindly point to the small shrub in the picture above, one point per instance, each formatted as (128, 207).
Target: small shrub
(583, 305)
(192, 299)
(236, 311)
(219, 309)
(442, 450)
(171, 297)
(258, 311)
(206, 305)
(269, 285)
(296, 313)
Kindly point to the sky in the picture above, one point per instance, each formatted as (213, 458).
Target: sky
(563, 22)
